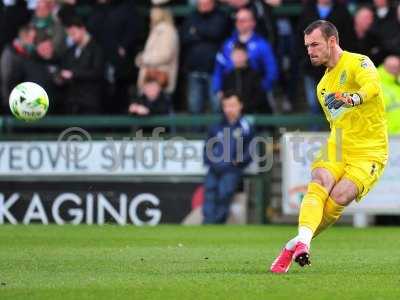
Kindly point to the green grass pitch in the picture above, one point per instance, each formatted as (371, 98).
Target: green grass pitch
(176, 262)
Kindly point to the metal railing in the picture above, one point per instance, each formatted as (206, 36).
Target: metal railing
(9, 124)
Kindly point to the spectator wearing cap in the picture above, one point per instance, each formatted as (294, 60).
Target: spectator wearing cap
(202, 34)
(261, 57)
(161, 50)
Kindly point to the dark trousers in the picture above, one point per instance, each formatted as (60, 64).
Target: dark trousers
(199, 91)
(219, 189)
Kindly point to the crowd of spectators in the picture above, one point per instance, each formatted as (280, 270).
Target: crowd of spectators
(111, 57)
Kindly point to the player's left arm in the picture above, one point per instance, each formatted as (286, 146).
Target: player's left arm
(366, 76)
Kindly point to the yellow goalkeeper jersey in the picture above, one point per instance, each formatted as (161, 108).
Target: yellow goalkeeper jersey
(360, 131)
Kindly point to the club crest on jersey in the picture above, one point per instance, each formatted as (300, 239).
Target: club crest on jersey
(343, 78)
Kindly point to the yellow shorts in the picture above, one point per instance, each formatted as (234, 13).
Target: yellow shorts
(362, 172)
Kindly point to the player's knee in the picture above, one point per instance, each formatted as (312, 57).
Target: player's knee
(318, 181)
(340, 197)
(324, 179)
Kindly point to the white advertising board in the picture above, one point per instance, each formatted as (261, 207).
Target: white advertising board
(137, 158)
(298, 150)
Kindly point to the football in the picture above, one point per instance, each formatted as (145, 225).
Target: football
(29, 101)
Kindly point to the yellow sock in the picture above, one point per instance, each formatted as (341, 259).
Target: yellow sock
(312, 206)
(332, 212)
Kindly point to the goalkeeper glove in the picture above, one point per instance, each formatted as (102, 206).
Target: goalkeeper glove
(337, 100)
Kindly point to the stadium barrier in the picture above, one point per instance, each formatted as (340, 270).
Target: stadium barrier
(11, 125)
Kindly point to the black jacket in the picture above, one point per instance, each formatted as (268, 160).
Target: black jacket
(247, 83)
(371, 45)
(201, 36)
(388, 35)
(43, 72)
(11, 61)
(85, 88)
(156, 107)
(266, 21)
(115, 24)
(11, 19)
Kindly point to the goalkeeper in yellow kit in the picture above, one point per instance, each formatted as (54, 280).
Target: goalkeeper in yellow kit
(357, 148)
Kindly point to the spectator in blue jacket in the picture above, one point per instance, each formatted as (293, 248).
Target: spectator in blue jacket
(202, 34)
(260, 53)
(227, 152)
